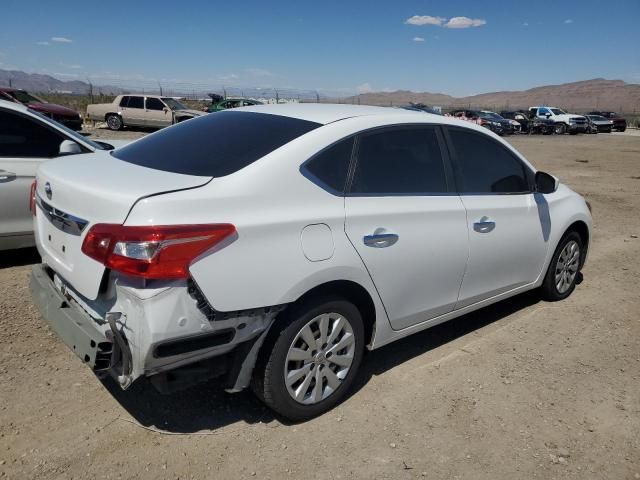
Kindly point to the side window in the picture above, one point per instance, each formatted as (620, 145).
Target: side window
(136, 102)
(124, 101)
(21, 136)
(544, 111)
(399, 161)
(329, 168)
(154, 104)
(482, 165)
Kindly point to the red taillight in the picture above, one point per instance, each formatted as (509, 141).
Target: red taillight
(154, 251)
(32, 197)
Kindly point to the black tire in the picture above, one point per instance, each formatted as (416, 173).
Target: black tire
(560, 128)
(622, 129)
(269, 374)
(550, 291)
(114, 122)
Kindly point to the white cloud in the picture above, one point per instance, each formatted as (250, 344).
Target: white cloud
(425, 20)
(568, 21)
(525, 24)
(61, 40)
(453, 22)
(464, 22)
(42, 43)
(364, 88)
(418, 39)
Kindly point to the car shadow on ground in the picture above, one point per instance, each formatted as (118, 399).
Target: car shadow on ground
(19, 257)
(206, 407)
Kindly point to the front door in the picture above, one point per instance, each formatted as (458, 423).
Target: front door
(508, 224)
(157, 113)
(406, 224)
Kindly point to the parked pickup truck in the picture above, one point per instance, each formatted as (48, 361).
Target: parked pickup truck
(140, 111)
(564, 122)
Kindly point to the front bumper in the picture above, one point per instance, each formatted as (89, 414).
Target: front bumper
(72, 123)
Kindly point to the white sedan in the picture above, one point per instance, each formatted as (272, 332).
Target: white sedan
(27, 138)
(270, 245)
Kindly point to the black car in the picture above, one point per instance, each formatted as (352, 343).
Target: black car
(490, 120)
(519, 117)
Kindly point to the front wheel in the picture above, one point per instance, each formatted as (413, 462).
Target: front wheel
(560, 279)
(309, 364)
(560, 129)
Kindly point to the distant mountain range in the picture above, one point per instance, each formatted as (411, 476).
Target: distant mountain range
(596, 94)
(36, 82)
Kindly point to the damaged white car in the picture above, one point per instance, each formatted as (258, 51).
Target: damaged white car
(270, 245)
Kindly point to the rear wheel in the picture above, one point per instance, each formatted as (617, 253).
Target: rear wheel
(114, 122)
(309, 364)
(560, 279)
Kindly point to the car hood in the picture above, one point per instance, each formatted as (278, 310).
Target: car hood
(52, 108)
(190, 111)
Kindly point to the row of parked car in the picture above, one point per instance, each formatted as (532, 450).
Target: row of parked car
(537, 120)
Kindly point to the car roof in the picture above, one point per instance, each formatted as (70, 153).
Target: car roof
(8, 89)
(324, 113)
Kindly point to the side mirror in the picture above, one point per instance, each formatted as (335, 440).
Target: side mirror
(165, 109)
(545, 183)
(68, 147)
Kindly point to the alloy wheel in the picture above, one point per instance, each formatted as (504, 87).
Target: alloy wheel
(319, 358)
(567, 266)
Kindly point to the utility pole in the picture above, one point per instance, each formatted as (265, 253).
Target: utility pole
(160, 87)
(317, 97)
(90, 89)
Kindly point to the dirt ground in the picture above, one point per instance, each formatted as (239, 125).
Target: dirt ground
(520, 390)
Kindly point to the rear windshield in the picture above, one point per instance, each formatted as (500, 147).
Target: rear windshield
(216, 144)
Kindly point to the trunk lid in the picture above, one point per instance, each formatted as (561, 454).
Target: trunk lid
(79, 191)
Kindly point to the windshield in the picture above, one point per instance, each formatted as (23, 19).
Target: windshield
(24, 97)
(71, 133)
(598, 118)
(491, 115)
(173, 104)
(557, 111)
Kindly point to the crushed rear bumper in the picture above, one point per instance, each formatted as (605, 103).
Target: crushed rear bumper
(74, 327)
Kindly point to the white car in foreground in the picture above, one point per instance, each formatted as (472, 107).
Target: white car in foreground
(28, 138)
(269, 245)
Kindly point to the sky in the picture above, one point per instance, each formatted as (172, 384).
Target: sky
(334, 47)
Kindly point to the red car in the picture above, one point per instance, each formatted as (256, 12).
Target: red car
(66, 116)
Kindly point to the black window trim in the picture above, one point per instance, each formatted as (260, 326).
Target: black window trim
(452, 156)
(451, 190)
(304, 169)
(48, 127)
(154, 98)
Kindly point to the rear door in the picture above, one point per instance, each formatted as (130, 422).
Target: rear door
(133, 114)
(24, 144)
(406, 223)
(508, 224)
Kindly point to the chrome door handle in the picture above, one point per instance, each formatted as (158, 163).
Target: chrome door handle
(380, 240)
(484, 225)
(6, 176)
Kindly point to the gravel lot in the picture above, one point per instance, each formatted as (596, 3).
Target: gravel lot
(523, 389)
